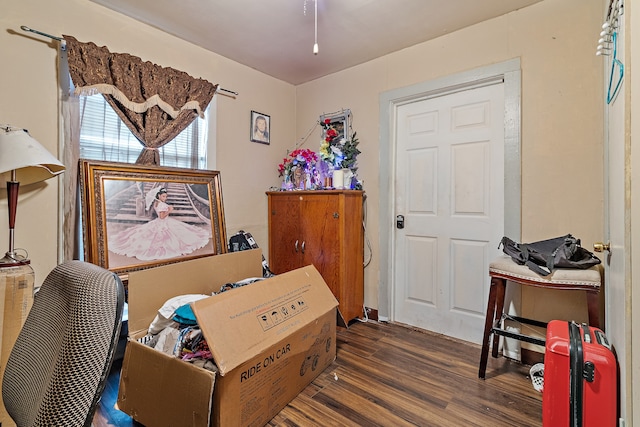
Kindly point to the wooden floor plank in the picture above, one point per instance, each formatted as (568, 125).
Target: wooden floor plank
(304, 411)
(411, 409)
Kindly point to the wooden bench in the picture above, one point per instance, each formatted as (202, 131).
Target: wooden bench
(504, 269)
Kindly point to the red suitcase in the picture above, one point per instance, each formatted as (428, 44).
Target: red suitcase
(580, 377)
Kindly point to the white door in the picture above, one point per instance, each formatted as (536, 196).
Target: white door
(615, 228)
(449, 189)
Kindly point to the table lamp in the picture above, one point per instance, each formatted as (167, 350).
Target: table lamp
(22, 160)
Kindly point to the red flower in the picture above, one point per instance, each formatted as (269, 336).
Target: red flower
(300, 157)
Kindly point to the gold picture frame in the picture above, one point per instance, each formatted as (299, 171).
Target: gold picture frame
(136, 217)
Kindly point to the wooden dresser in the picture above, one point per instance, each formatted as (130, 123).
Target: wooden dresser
(323, 228)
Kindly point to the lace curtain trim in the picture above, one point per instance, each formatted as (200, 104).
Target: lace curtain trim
(138, 107)
(137, 84)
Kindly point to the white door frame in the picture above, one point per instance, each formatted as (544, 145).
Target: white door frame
(632, 139)
(509, 72)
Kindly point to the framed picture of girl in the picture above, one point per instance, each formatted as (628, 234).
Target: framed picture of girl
(260, 127)
(136, 217)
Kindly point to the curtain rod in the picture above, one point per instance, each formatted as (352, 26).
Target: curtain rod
(60, 39)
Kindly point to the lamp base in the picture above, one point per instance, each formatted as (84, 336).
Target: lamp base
(13, 260)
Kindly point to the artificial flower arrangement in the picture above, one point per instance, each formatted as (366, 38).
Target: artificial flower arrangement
(298, 168)
(302, 170)
(339, 152)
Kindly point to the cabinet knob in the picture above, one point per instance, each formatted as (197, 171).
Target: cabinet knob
(296, 245)
(336, 215)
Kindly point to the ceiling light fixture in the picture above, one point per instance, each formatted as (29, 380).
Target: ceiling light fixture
(315, 44)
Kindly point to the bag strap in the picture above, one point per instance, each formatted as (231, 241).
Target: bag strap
(538, 269)
(512, 249)
(532, 265)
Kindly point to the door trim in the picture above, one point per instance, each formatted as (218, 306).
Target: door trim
(509, 73)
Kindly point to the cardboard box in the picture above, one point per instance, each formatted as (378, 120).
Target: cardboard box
(269, 340)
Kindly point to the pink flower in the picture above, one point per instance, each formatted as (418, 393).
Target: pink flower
(304, 158)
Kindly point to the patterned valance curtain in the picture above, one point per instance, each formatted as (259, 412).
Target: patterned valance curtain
(156, 103)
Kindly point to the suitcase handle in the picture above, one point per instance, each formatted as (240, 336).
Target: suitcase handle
(576, 375)
(586, 333)
(588, 370)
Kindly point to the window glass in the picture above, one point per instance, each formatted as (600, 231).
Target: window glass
(103, 136)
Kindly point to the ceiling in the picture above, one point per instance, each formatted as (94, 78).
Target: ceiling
(276, 37)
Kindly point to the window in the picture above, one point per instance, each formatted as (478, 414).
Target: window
(103, 136)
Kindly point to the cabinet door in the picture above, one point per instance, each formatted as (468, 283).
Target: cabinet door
(320, 220)
(285, 238)
(323, 229)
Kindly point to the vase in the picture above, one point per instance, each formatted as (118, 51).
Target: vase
(338, 178)
(347, 178)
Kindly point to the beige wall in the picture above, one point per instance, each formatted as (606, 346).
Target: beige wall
(561, 113)
(28, 83)
(562, 127)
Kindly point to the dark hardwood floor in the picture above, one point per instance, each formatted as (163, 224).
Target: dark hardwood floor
(392, 375)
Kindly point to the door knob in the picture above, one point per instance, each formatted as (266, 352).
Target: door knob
(601, 247)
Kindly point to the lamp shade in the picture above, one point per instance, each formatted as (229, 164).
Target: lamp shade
(21, 153)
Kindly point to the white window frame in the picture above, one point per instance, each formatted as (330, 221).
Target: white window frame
(115, 142)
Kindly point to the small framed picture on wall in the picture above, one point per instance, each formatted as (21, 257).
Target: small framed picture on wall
(260, 127)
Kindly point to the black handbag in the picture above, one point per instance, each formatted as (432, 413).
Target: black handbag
(546, 255)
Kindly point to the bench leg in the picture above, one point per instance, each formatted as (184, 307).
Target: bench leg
(593, 307)
(501, 286)
(488, 324)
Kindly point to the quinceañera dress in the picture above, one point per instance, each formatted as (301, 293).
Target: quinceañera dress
(160, 238)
